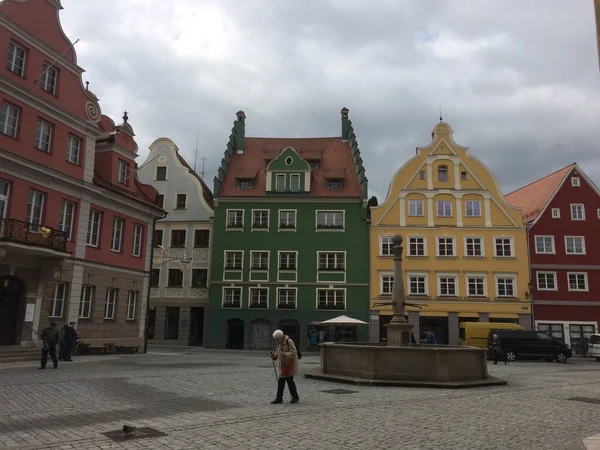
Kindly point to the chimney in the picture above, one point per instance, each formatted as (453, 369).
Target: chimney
(240, 128)
(345, 123)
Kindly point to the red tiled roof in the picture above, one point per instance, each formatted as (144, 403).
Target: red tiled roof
(534, 196)
(138, 196)
(333, 152)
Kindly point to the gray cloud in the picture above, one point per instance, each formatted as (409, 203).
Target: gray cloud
(518, 81)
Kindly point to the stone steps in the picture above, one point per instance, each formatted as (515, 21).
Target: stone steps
(16, 353)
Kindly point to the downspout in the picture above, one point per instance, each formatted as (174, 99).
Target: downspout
(530, 273)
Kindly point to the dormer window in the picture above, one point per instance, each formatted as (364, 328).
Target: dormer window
(161, 173)
(334, 185)
(443, 174)
(294, 182)
(575, 182)
(422, 175)
(244, 185)
(280, 182)
(122, 172)
(463, 175)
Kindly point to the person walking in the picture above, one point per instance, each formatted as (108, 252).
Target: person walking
(288, 366)
(70, 337)
(497, 348)
(50, 338)
(61, 343)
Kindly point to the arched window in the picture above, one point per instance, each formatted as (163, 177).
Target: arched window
(443, 173)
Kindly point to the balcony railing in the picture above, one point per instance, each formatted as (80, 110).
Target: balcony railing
(20, 232)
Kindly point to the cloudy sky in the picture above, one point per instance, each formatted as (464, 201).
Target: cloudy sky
(517, 80)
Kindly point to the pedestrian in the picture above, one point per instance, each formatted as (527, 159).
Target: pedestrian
(288, 366)
(70, 337)
(61, 343)
(322, 336)
(50, 338)
(72, 324)
(429, 337)
(497, 349)
(313, 338)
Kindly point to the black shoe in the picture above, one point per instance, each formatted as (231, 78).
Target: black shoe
(56, 366)
(276, 401)
(41, 368)
(504, 362)
(495, 363)
(68, 360)
(295, 400)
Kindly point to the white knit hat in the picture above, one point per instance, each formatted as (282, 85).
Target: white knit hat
(277, 334)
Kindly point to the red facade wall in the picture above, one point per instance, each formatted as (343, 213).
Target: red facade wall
(567, 313)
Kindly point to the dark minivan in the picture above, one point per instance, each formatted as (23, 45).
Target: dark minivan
(531, 345)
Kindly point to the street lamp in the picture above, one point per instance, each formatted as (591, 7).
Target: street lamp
(529, 292)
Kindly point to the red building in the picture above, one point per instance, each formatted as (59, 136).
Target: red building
(75, 221)
(562, 211)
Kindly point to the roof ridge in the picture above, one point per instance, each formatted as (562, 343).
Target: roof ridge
(540, 179)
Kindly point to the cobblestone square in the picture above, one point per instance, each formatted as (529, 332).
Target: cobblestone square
(221, 400)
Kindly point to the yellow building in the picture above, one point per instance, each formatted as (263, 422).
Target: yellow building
(465, 247)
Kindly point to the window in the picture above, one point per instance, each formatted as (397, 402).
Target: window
(447, 286)
(260, 261)
(473, 208)
(233, 260)
(598, 213)
(175, 278)
(286, 298)
(181, 201)
(546, 281)
(260, 219)
(422, 175)
(199, 278)
(259, 298)
(161, 173)
(111, 301)
(9, 120)
(575, 245)
(334, 185)
(73, 149)
(232, 297)
(235, 218)
(4, 190)
(443, 173)
(287, 219)
(160, 200)
(446, 246)
(158, 238)
(555, 330)
(417, 285)
(154, 277)
(294, 182)
(387, 284)
(416, 246)
(67, 211)
(505, 286)
(280, 182)
(244, 185)
(132, 298)
(59, 299)
(332, 261)
(577, 211)
(35, 210)
(201, 238)
(43, 136)
(49, 79)
(122, 172)
(556, 213)
(16, 59)
(578, 281)
(178, 238)
(474, 247)
(416, 208)
(313, 165)
(330, 219)
(287, 260)
(463, 175)
(93, 231)
(444, 208)
(386, 246)
(116, 243)
(503, 247)
(138, 232)
(475, 286)
(85, 304)
(332, 299)
(544, 245)
(575, 182)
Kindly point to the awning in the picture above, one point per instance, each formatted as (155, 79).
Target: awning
(343, 320)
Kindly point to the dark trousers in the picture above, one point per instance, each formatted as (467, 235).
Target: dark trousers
(291, 387)
(499, 356)
(67, 350)
(52, 351)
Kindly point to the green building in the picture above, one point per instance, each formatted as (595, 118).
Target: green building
(290, 239)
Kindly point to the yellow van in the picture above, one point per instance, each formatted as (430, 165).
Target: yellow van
(475, 334)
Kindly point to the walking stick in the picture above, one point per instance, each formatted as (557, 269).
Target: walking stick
(275, 369)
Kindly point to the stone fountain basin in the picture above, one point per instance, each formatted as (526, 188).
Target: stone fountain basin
(412, 366)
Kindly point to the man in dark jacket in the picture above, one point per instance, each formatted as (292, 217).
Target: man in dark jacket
(70, 338)
(50, 338)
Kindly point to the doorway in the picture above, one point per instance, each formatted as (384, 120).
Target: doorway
(235, 334)
(292, 329)
(196, 326)
(260, 334)
(580, 338)
(11, 290)
(172, 323)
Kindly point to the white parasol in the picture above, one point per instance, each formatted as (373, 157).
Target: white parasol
(343, 320)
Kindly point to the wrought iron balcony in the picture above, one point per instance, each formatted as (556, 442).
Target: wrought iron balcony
(20, 232)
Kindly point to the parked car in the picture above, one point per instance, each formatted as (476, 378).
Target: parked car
(475, 334)
(594, 346)
(531, 345)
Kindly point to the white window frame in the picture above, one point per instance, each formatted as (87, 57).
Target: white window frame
(87, 298)
(383, 283)
(110, 303)
(229, 222)
(575, 182)
(585, 278)
(122, 171)
(330, 220)
(13, 56)
(335, 256)
(49, 79)
(481, 246)
(425, 277)
(65, 223)
(226, 253)
(231, 289)
(58, 303)
(37, 201)
(252, 289)
(174, 229)
(279, 253)
(417, 243)
(381, 239)
(437, 246)
(280, 187)
(512, 277)
(5, 198)
(11, 113)
(476, 276)
(93, 231)
(598, 211)
(545, 275)
(260, 211)
(116, 241)
(543, 238)
(335, 299)
(443, 203)
(416, 208)
(448, 276)
(166, 173)
(577, 208)
(512, 246)
(253, 252)
(295, 177)
(132, 298)
(556, 213)
(138, 233)
(176, 205)
(293, 224)
(582, 245)
(474, 210)
(43, 135)
(73, 149)
(278, 291)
